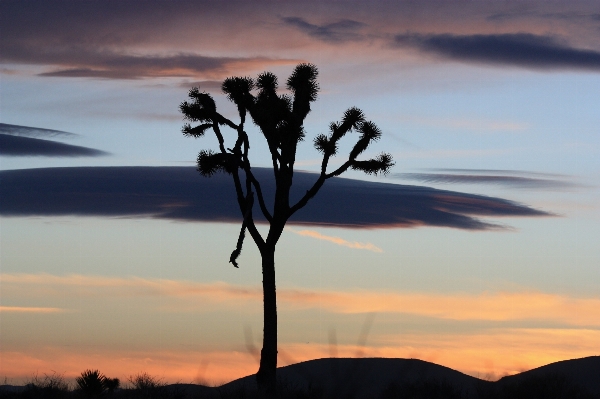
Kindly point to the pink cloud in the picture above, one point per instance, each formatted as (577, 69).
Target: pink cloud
(337, 240)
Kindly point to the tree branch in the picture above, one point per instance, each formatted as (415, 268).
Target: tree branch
(319, 183)
(243, 140)
(309, 194)
(260, 243)
(340, 170)
(238, 248)
(261, 201)
(224, 121)
(219, 135)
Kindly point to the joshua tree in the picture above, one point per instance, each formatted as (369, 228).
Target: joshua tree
(281, 119)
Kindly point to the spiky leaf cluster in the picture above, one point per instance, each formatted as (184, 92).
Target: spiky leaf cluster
(209, 162)
(303, 84)
(381, 164)
(197, 131)
(325, 145)
(353, 119)
(369, 133)
(303, 81)
(267, 83)
(271, 112)
(201, 108)
(238, 91)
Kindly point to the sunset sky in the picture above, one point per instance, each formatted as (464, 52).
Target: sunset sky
(479, 251)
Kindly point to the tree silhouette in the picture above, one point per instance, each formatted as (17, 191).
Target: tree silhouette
(280, 119)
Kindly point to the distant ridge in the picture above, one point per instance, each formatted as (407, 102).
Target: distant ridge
(583, 373)
(364, 377)
(367, 377)
(361, 378)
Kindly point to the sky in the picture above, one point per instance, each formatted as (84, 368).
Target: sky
(475, 252)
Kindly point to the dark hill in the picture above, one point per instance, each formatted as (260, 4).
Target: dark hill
(383, 378)
(370, 377)
(364, 377)
(583, 374)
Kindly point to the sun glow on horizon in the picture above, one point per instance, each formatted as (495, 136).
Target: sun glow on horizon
(567, 328)
(487, 356)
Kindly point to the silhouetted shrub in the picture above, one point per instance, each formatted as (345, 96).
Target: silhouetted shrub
(144, 381)
(145, 386)
(111, 384)
(93, 384)
(52, 386)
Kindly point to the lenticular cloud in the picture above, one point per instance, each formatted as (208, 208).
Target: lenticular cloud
(180, 193)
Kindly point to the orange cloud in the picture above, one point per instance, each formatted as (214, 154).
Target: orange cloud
(483, 306)
(490, 306)
(337, 240)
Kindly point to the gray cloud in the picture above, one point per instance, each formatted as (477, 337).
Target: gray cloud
(205, 85)
(497, 172)
(92, 24)
(339, 31)
(519, 49)
(11, 145)
(125, 39)
(81, 62)
(507, 181)
(18, 130)
(561, 16)
(122, 39)
(179, 193)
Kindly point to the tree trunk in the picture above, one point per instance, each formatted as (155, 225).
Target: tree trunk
(266, 375)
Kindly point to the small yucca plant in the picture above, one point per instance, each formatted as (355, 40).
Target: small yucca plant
(92, 383)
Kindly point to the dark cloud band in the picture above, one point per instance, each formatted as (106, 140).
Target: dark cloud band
(29, 131)
(11, 145)
(180, 193)
(339, 31)
(520, 49)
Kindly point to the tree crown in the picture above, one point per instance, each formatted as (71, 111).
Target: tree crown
(280, 118)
